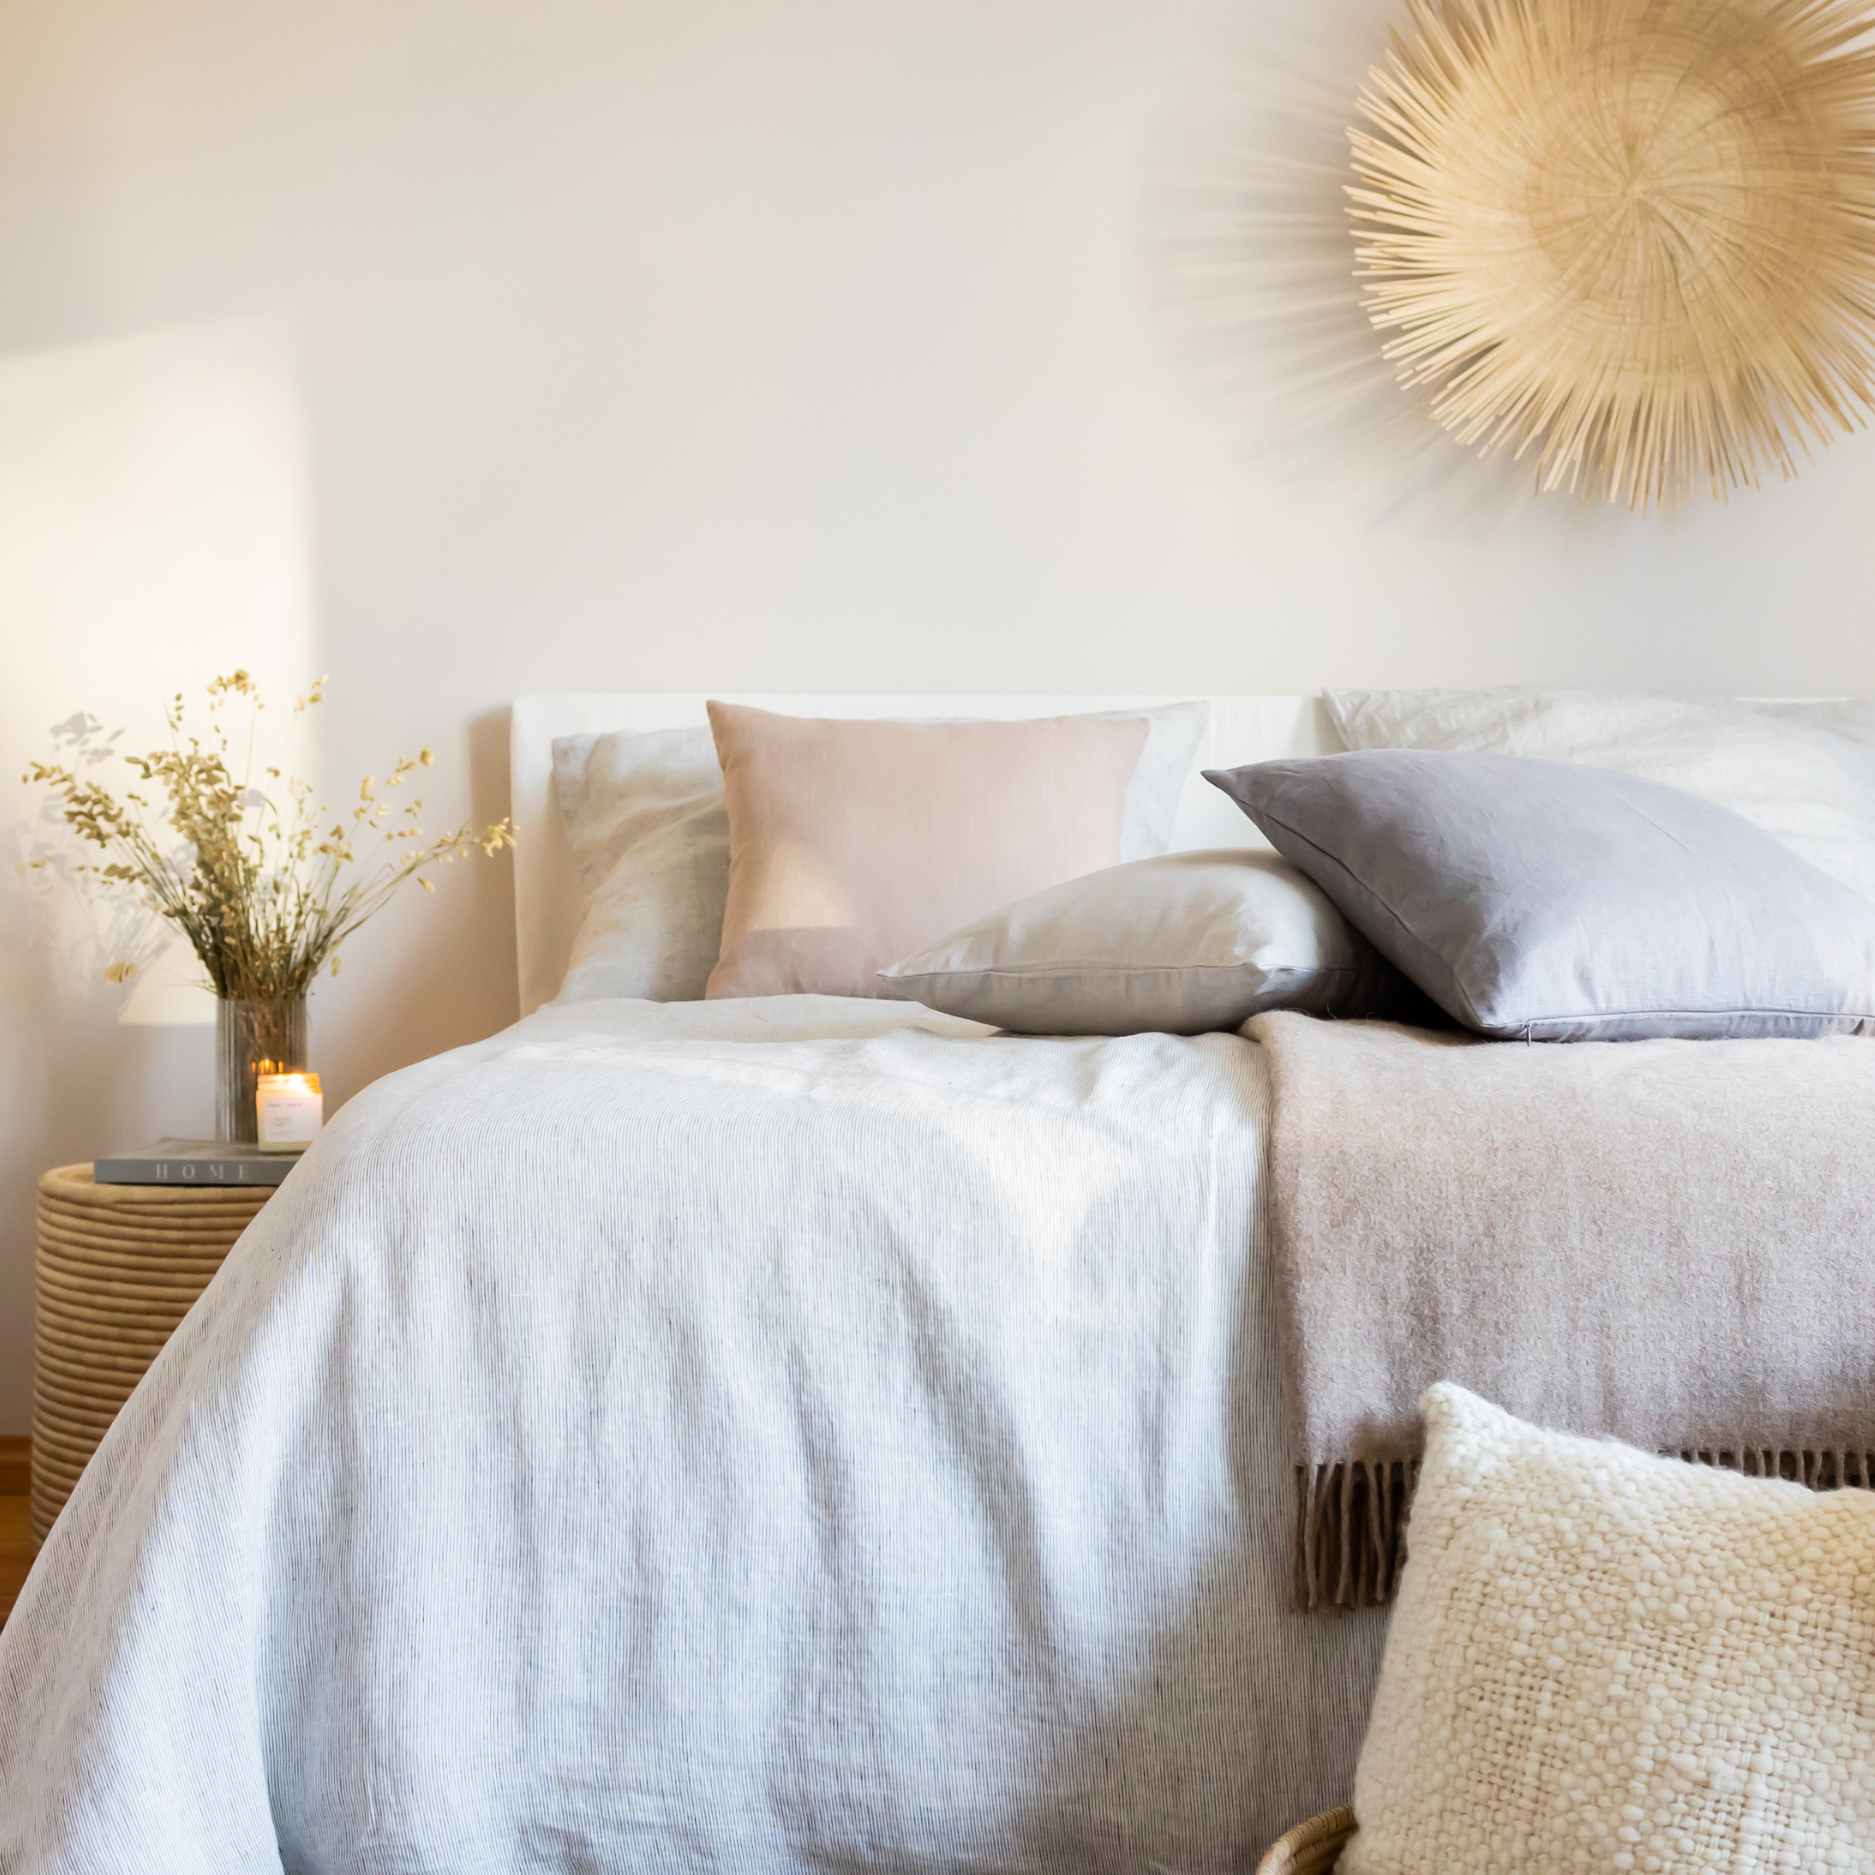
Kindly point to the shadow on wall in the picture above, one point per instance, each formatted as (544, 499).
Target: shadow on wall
(1251, 269)
(154, 531)
(454, 951)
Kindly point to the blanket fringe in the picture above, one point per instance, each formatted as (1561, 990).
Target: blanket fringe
(1351, 1518)
(1816, 1471)
(1351, 1532)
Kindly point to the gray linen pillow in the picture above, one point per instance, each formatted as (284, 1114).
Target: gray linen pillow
(1178, 945)
(1803, 771)
(1550, 901)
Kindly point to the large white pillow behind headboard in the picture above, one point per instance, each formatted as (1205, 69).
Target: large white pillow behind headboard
(546, 886)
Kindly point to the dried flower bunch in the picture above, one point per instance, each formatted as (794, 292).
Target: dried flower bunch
(264, 886)
(1632, 241)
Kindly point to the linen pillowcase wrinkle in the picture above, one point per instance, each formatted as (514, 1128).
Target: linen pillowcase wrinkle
(648, 832)
(1853, 717)
(1181, 944)
(853, 843)
(1804, 772)
(1553, 902)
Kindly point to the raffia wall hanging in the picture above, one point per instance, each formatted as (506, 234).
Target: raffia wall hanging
(1632, 240)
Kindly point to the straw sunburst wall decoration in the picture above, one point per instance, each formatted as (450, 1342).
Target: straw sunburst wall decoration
(1633, 240)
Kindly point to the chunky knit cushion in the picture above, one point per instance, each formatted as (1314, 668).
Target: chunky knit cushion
(1606, 1660)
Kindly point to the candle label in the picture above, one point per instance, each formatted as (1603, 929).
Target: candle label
(289, 1109)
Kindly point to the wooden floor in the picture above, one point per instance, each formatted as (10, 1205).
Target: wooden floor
(16, 1531)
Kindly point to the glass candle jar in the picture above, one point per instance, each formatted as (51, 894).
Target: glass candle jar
(289, 1109)
(253, 1038)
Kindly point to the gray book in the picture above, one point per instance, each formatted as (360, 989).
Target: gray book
(195, 1162)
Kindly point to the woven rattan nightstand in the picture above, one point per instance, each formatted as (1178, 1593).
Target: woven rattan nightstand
(118, 1268)
(1311, 1848)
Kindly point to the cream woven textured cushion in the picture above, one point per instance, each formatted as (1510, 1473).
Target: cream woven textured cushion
(1606, 1660)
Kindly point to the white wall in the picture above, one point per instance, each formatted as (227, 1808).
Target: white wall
(678, 344)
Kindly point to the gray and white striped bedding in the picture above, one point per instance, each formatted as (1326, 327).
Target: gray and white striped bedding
(781, 1435)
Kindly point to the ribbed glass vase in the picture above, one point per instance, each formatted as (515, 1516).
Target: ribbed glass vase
(251, 1039)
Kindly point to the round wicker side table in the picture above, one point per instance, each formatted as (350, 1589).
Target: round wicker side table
(1311, 1847)
(118, 1268)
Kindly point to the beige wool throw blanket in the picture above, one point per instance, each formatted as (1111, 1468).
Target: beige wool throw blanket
(1669, 1243)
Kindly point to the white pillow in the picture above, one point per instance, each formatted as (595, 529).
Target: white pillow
(1804, 772)
(645, 820)
(1179, 945)
(1152, 796)
(1606, 1660)
(649, 833)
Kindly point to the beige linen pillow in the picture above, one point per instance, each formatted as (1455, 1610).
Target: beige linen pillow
(1605, 1660)
(855, 843)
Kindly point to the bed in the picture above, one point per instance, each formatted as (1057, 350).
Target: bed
(785, 1433)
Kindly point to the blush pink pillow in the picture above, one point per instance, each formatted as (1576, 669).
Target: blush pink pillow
(854, 844)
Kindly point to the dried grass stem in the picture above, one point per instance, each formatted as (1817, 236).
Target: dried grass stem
(265, 887)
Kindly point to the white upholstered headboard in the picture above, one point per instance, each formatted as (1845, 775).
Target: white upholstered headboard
(546, 889)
